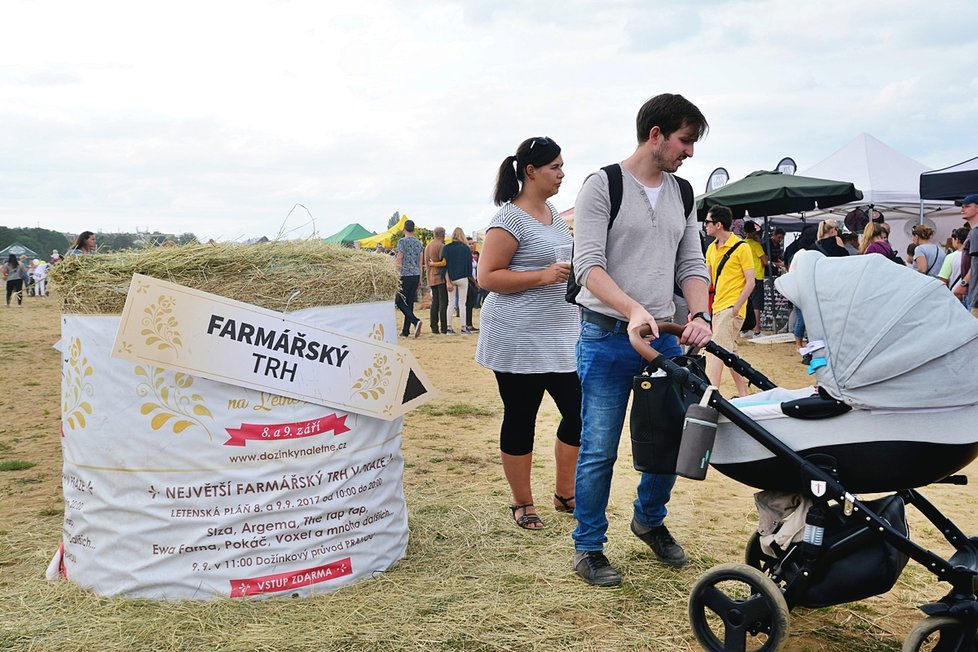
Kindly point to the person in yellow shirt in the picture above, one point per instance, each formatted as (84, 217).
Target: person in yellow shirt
(731, 269)
(752, 235)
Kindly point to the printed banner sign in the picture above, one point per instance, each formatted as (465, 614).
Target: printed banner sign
(206, 335)
(178, 487)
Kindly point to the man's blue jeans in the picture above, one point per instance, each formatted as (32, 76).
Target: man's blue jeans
(799, 329)
(404, 301)
(606, 363)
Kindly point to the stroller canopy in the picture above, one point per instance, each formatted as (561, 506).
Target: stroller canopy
(894, 338)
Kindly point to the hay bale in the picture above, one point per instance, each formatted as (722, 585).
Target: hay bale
(265, 275)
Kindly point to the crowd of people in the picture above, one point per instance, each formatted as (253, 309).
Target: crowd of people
(949, 261)
(29, 277)
(26, 277)
(450, 274)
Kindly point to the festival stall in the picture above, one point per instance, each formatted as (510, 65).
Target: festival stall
(890, 183)
(386, 238)
(348, 235)
(953, 182)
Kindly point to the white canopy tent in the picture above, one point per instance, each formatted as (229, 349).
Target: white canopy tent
(890, 182)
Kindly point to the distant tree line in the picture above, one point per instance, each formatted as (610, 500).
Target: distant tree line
(44, 241)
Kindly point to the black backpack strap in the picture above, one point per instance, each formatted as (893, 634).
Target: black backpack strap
(686, 190)
(615, 190)
(723, 261)
(937, 254)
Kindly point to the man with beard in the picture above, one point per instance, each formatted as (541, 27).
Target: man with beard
(626, 268)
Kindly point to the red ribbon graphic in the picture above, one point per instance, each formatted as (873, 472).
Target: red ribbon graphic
(291, 580)
(276, 432)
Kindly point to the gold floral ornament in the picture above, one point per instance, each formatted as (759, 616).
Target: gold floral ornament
(172, 404)
(377, 333)
(76, 388)
(160, 327)
(374, 381)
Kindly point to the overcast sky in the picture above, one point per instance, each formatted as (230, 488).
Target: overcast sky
(219, 117)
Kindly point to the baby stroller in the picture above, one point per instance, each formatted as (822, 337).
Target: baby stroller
(894, 411)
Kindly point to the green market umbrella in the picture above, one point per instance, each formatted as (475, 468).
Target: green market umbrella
(764, 193)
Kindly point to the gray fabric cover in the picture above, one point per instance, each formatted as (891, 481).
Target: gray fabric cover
(894, 338)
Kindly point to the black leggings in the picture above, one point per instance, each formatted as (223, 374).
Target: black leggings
(15, 286)
(522, 395)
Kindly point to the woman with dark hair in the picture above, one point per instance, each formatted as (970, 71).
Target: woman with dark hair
(14, 273)
(84, 244)
(529, 332)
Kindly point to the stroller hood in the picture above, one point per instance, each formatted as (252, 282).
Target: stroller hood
(894, 338)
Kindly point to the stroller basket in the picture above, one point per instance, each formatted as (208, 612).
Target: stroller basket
(856, 564)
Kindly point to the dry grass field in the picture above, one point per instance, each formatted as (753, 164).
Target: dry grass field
(471, 579)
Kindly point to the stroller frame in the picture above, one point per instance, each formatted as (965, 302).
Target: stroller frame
(954, 618)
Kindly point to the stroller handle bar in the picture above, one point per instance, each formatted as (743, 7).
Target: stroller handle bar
(732, 360)
(640, 344)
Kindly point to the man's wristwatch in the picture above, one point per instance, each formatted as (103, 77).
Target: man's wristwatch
(704, 316)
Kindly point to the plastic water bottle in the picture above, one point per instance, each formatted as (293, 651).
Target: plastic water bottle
(815, 527)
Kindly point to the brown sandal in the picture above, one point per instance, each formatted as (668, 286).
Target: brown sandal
(526, 520)
(565, 506)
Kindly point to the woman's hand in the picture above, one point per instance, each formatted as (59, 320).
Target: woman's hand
(556, 273)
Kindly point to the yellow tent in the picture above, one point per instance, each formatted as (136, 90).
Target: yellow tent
(385, 237)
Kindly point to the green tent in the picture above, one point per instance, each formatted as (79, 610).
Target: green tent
(18, 250)
(348, 234)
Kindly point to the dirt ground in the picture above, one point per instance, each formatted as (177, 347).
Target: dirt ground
(457, 500)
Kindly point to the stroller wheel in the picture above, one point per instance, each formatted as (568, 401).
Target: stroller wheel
(756, 557)
(738, 607)
(941, 634)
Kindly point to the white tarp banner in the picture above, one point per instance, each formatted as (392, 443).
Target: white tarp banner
(181, 487)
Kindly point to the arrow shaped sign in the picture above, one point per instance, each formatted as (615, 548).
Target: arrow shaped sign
(207, 335)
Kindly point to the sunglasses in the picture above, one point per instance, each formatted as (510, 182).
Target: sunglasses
(540, 140)
(708, 222)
